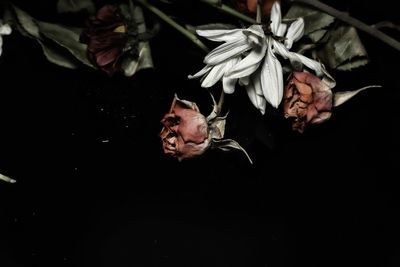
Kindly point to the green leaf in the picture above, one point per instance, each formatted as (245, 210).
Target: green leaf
(229, 145)
(314, 20)
(26, 23)
(344, 50)
(317, 35)
(58, 55)
(342, 97)
(130, 65)
(73, 6)
(66, 38)
(54, 49)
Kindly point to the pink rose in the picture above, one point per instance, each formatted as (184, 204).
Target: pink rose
(185, 133)
(307, 100)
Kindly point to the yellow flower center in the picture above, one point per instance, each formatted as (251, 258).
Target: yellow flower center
(120, 29)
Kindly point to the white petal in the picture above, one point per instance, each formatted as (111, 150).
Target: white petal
(275, 17)
(281, 50)
(281, 29)
(228, 85)
(203, 71)
(214, 75)
(244, 81)
(254, 92)
(255, 35)
(295, 32)
(226, 51)
(249, 64)
(5, 29)
(221, 35)
(272, 78)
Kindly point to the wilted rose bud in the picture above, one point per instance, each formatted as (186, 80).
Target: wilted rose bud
(185, 133)
(188, 134)
(249, 7)
(307, 100)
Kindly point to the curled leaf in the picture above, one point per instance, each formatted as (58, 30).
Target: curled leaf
(228, 145)
(66, 38)
(344, 50)
(342, 97)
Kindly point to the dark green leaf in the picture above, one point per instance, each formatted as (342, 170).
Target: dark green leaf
(73, 6)
(229, 145)
(314, 20)
(26, 23)
(130, 65)
(67, 38)
(344, 50)
(59, 55)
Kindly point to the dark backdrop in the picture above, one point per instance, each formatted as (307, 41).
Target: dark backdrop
(325, 198)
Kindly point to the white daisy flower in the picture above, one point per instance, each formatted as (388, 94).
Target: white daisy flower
(223, 58)
(267, 81)
(249, 55)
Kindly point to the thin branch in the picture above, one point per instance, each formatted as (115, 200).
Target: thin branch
(230, 11)
(386, 24)
(173, 24)
(352, 21)
(221, 101)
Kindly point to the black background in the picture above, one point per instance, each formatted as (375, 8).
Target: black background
(324, 198)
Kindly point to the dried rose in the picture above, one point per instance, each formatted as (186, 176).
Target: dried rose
(307, 100)
(249, 7)
(117, 39)
(187, 133)
(106, 38)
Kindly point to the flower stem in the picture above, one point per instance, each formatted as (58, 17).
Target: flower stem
(228, 10)
(173, 24)
(221, 101)
(259, 15)
(352, 21)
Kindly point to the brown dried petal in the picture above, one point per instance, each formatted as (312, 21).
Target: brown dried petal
(307, 100)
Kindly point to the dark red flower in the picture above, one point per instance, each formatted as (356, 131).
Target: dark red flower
(249, 7)
(106, 38)
(307, 99)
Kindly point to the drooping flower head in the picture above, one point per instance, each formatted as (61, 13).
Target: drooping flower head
(112, 35)
(187, 133)
(307, 100)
